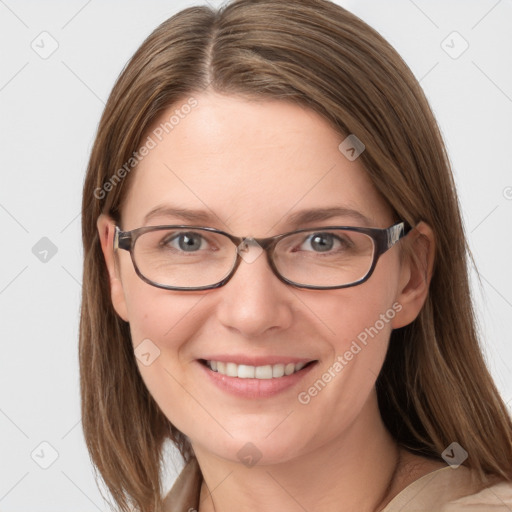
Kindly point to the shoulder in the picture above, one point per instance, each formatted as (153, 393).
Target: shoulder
(496, 497)
(184, 494)
(425, 485)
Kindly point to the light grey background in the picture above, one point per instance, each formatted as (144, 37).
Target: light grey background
(50, 108)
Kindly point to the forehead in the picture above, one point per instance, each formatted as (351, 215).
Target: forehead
(248, 164)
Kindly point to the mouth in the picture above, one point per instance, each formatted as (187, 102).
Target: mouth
(263, 372)
(253, 376)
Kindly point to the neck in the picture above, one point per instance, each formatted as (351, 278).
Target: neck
(352, 471)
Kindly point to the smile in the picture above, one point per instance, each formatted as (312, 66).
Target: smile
(265, 378)
(244, 371)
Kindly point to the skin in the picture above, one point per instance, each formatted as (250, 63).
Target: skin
(252, 164)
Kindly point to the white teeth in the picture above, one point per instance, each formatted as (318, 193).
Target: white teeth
(244, 371)
(263, 372)
(278, 370)
(289, 369)
(231, 370)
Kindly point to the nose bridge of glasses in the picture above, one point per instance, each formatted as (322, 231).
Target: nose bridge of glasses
(250, 249)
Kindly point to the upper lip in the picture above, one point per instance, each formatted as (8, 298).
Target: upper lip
(256, 360)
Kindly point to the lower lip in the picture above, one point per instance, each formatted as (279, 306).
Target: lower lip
(255, 388)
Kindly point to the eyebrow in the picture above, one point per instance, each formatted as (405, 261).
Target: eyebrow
(299, 218)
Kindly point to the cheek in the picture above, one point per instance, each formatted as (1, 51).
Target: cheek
(163, 316)
(358, 321)
(362, 326)
(360, 314)
(361, 322)
(161, 325)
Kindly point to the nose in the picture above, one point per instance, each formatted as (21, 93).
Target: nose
(254, 301)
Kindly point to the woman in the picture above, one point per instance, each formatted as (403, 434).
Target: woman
(276, 280)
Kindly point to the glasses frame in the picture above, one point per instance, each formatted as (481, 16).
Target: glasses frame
(384, 239)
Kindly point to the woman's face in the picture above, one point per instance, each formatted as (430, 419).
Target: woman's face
(250, 166)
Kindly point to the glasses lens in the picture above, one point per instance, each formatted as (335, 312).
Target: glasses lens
(331, 257)
(184, 257)
(190, 258)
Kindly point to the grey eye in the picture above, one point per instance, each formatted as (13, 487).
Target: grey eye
(187, 242)
(324, 242)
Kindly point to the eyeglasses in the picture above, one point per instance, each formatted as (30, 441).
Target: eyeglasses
(200, 258)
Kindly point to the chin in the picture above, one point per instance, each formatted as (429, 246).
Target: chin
(254, 450)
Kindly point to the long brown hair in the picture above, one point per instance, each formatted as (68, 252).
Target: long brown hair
(434, 387)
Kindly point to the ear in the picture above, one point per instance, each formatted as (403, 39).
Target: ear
(106, 231)
(415, 274)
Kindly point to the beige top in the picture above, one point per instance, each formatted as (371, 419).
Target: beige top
(443, 490)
